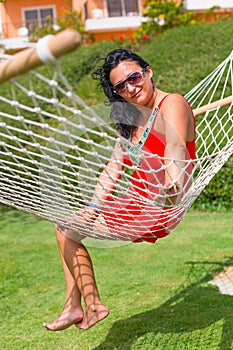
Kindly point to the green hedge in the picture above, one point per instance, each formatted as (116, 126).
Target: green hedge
(218, 195)
(80, 63)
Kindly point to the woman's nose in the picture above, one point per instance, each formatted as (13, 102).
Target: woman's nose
(130, 87)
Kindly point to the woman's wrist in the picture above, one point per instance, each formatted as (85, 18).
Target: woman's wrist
(95, 207)
(173, 186)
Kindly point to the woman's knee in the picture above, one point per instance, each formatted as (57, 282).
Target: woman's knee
(59, 232)
(62, 232)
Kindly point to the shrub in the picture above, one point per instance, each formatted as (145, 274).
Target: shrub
(218, 195)
(163, 14)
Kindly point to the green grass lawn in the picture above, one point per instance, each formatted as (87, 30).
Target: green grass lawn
(158, 295)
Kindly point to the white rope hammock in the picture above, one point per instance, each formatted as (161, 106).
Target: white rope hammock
(53, 147)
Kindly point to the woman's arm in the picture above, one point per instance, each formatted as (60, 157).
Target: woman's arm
(105, 185)
(179, 128)
(109, 177)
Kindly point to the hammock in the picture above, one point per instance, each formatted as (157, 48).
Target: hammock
(53, 146)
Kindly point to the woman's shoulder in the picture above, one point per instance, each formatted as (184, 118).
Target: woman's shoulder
(167, 98)
(175, 102)
(175, 108)
(172, 97)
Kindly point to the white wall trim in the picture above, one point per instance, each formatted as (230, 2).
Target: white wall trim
(113, 23)
(207, 4)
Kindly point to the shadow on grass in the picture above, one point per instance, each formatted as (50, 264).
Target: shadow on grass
(195, 307)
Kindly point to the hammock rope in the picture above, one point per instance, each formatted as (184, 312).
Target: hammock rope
(53, 147)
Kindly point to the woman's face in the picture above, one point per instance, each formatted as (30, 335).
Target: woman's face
(141, 93)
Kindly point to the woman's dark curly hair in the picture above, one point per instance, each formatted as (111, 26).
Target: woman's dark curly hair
(122, 112)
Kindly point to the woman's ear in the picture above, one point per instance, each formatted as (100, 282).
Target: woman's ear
(149, 71)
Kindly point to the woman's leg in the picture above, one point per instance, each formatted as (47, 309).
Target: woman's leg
(72, 311)
(80, 280)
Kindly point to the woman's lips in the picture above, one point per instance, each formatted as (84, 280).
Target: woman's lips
(137, 94)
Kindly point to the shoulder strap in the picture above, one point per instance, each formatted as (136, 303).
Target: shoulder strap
(160, 103)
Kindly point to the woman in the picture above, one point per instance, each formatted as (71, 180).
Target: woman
(156, 123)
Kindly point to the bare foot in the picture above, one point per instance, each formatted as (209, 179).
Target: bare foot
(94, 314)
(66, 319)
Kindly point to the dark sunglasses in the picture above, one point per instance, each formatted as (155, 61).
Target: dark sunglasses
(133, 79)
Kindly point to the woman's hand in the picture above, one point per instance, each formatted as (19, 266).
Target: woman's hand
(86, 215)
(172, 194)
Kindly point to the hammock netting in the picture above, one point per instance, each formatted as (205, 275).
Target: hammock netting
(53, 148)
